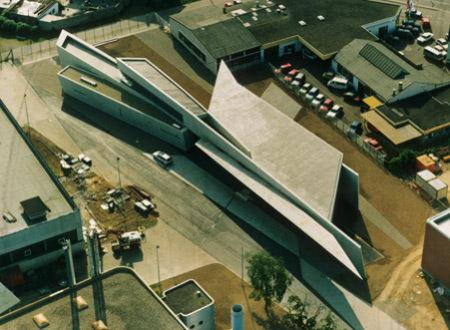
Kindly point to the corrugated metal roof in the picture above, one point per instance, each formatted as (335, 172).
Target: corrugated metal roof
(382, 62)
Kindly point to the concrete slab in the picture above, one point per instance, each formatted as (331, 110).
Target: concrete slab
(281, 101)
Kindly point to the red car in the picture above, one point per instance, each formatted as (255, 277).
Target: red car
(326, 105)
(291, 75)
(374, 144)
(284, 68)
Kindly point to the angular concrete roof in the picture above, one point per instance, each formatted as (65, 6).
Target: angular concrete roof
(300, 161)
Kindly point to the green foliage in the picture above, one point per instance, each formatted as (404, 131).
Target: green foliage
(11, 27)
(298, 317)
(268, 277)
(404, 163)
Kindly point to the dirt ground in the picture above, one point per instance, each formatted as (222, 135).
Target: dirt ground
(226, 289)
(89, 193)
(133, 47)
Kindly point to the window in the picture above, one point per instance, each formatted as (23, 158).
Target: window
(190, 45)
(192, 326)
(200, 323)
(27, 253)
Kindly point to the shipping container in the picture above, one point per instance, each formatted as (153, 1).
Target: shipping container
(424, 162)
(436, 189)
(440, 188)
(423, 177)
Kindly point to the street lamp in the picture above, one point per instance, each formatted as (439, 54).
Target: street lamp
(157, 266)
(28, 118)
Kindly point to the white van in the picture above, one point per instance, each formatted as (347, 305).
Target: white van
(433, 54)
(338, 83)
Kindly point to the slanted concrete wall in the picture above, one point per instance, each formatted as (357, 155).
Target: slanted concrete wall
(180, 138)
(349, 186)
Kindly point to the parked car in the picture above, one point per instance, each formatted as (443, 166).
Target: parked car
(425, 38)
(328, 75)
(404, 34)
(443, 43)
(308, 54)
(373, 144)
(318, 100)
(335, 112)
(300, 78)
(284, 68)
(356, 128)
(414, 13)
(326, 105)
(162, 158)
(339, 83)
(351, 97)
(305, 89)
(311, 94)
(426, 24)
(290, 75)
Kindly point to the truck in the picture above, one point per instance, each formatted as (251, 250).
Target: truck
(130, 240)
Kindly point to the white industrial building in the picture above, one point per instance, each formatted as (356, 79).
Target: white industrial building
(192, 304)
(37, 212)
(294, 171)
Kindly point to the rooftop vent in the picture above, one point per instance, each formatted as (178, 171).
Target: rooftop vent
(255, 18)
(198, 293)
(320, 18)
(247, 24)
(282, 7)
(268, 10)
(255, 14)
(302, 23)
(35, 209)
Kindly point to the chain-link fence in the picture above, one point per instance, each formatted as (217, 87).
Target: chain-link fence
(47, 48)
(339, 124)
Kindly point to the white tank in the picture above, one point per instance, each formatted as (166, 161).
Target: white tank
(237, 317)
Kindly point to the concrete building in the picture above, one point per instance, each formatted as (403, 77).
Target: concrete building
(29, 10)
(256, 30)
(436, 248)
(296, 173)
(376, 70)
(37, 212)
(119, 298)
(192, 304)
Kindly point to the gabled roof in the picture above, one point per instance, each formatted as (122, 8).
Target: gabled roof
(298, 160)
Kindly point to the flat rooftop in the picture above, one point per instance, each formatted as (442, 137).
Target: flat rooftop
(128, 301)
(213, 38)
(24, 177)
(428, 111)
(106, 88)
(159, 79)
(300, 161)
(381, 69)
(186, 298)
(343, 21)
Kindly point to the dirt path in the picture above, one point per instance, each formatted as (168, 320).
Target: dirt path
(398, 281)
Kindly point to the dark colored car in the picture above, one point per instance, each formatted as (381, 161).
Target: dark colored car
(351, 97)
(328, 75)
(356, 128)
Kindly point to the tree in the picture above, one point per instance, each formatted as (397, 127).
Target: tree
(268, 278)
(298, 317)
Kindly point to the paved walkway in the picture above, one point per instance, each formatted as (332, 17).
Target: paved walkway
(382, 223)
